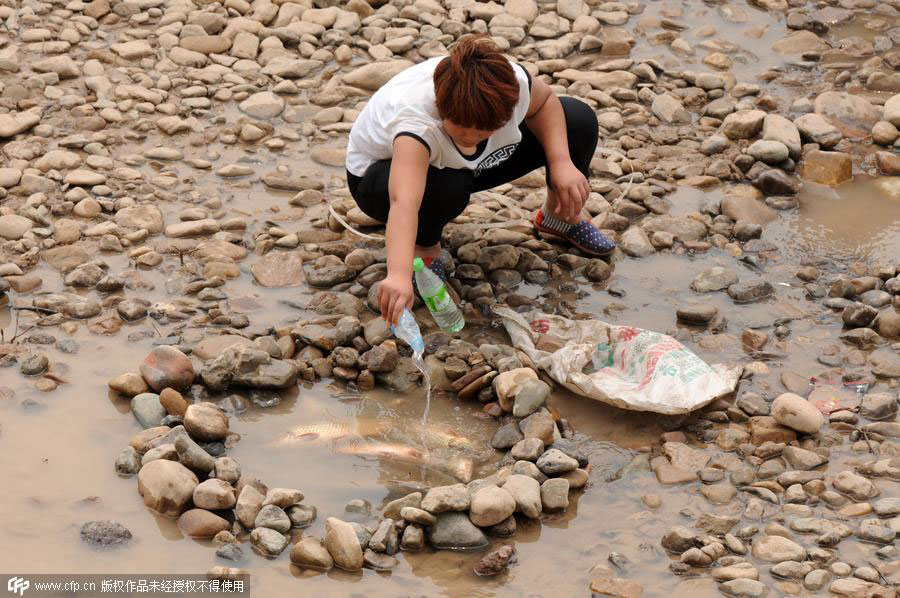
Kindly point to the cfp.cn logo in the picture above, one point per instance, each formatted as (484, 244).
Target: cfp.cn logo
(17, 585)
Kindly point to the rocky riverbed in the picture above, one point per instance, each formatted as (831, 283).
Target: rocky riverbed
(194, 379)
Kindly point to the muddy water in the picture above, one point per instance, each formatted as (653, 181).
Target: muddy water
(57, 449)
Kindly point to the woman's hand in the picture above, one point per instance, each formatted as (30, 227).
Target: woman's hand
(394, 294)
(571, 188)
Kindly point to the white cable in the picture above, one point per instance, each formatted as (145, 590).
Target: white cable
(350, 228)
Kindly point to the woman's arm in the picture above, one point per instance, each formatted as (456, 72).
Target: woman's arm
(547, 121)
(406, 186)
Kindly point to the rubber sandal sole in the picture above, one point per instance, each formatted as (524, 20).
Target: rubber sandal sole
(543, 232)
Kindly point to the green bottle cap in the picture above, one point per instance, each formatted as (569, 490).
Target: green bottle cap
(418, 264)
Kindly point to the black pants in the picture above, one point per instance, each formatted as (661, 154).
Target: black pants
(447, 190)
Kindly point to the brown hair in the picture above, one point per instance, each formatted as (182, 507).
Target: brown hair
(475, 86)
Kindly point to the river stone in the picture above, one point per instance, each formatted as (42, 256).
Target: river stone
(328, 271)
(490, 506)
(147, 410)
(554, 462)
(857, 588)
(12, 124)
(372, 76)
(446, 498)
(885, 362)
(302, 515)
(167, 367)
(855, 486)
(555, 494)
(268, 541)
(206, 422)
(800, 42)
(791, 570)
(679, 539)
(530, 397)
(310, 553)
(141, 217)
(167, 486)
(744, 588)
(527, 493)
(682, 228)
(669, 110)
(874, 530)
(507, 436)
(104, 533)
(811, 525)
(273, 517)
(743, 124)
(878, 405)
(887, 507)
(769, 151)
(527, 449)
(685, 457)
(278, 269)
(456, 531)
(413, 538)
(816, 129)
(797, 413)
(199, 523)
(213, 494)
(128, 462)
(248, 505)
(393, 509)
(506, 384)
(826, 168)
(735, 571)
(214, 346)
(262, 105)
(849, 109)
(13, 227)
(418, 516)
(539, 425)
(774, 549)
(802, 459)
(779, 128)
(857, 315)
(742, 204)
(776, 182)
(713, 279)
(343, 545)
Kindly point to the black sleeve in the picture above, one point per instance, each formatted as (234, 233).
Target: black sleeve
(527, 74)
(416, 137)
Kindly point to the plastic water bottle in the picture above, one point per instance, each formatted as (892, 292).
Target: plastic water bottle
(408, 331)
(437, 299)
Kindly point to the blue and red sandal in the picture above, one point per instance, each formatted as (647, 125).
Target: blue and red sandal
(583, 235)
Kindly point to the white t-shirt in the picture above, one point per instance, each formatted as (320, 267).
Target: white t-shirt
(406, 105)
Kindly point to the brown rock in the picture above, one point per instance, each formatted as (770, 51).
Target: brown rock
(167, 367)
(826, 168)
(888, 163)
(617, 587)
(200, 523)
(173, 402)
(167, 486)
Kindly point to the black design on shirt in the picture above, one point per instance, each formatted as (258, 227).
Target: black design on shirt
(496, 158)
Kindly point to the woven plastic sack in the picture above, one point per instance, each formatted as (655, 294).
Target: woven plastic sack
(627, 367)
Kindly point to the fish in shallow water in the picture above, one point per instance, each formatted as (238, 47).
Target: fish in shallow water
(431, 436)
(330, 431)
(382, 450)
(461, 468)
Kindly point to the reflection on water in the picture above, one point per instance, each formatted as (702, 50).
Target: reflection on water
(859, 220)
